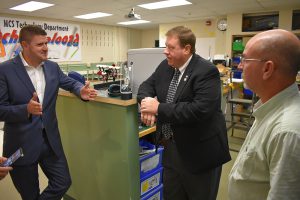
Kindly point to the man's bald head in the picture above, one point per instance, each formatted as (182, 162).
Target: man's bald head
(280, 46)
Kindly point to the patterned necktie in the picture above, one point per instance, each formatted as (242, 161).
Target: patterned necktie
(166, 128)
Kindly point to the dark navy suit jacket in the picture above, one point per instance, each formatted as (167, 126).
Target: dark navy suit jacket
(196, 118)
(20, 129)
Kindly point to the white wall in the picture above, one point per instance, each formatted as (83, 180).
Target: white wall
(203, 33)
(149, 36)
(102, 41)
(235, 25)
(111, 42)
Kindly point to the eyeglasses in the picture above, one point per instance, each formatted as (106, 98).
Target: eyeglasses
(251, 59)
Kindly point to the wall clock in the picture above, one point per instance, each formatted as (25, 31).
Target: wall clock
(222, 24)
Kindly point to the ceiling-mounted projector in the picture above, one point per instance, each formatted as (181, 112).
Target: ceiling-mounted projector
(133, 16)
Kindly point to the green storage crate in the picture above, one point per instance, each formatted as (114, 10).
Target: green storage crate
(238, 46)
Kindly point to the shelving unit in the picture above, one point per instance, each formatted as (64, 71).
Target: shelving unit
(238, 45)
(244, 116)
(240, 108)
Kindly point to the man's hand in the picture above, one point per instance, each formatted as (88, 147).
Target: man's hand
(149, 105)
(4, 170)
(33, 106)
(148, 119)
(87, 93)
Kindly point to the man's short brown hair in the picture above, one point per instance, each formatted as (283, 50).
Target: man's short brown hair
(185, 36)
(28, 31)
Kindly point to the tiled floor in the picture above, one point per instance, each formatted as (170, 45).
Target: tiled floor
(8, 192)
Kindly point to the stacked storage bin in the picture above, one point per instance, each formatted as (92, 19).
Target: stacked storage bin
(150, 171)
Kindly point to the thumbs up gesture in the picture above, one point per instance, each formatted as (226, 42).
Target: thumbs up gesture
(33, 106)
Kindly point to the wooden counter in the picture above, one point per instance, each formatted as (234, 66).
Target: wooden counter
(147, 131)
(104, 99)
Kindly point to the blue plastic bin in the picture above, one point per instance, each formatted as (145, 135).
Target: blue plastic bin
(237, 74)
(248, 92)
(152, 161)
(156, 194)
(150, 181)
(236, 60)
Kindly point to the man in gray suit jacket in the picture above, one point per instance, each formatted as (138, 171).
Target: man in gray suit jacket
(189, 119)
(29, 86)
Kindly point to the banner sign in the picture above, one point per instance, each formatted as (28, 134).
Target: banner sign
(63, 39)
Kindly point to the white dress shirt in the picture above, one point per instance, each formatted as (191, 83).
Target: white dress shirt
(183, 67)
(268, 165)
(37, 77)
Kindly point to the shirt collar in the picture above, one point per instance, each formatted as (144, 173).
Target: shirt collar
(25, 63)
(183, 67)
(261, 109)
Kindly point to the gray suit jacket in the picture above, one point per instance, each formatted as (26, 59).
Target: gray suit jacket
(16, 90)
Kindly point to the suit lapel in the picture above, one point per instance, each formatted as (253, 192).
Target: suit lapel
(23, 75)
(184, 79)
(47, 73)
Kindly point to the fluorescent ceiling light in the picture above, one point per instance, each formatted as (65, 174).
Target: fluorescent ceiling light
(93, 15)
(164, 4)
(31, 6)
(134, 22)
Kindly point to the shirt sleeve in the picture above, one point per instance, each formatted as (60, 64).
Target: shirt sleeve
(284, 162)
(68, 83)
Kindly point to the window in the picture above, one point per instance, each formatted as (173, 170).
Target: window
(296, 20)
(260, 22)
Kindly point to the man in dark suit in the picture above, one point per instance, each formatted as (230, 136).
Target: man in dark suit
(184, 94)
(29, 86)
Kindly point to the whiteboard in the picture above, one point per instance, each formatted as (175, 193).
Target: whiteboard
(205, 47)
